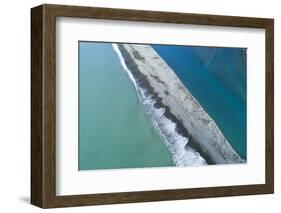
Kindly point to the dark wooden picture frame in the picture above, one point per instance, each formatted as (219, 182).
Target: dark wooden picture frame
(43, 105)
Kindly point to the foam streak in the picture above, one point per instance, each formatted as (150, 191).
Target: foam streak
(182, 153)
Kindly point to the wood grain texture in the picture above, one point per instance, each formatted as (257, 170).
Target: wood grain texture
(43, 105)
(36, 106)
(269, 99)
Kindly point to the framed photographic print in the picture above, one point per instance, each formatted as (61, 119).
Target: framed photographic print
(136, 106)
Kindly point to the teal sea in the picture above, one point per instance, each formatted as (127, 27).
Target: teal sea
(217, 78)
(116, 129)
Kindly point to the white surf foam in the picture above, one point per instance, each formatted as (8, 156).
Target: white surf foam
(182, 153)
(122, 61)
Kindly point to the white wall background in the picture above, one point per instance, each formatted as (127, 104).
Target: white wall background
(15, 104)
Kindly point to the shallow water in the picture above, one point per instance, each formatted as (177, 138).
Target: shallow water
(114, 130)
(120, 128)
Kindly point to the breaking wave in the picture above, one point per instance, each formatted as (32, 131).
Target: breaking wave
(182, 153)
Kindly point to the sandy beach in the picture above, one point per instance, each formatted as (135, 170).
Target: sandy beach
(152, 73)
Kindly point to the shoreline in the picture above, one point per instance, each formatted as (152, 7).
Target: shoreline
(151, 73)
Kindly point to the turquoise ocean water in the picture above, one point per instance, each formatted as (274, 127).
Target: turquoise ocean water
(114, 131)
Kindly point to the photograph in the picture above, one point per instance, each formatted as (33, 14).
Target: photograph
(168, 105)
(160, 105)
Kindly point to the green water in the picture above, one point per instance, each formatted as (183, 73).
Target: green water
(114, 131)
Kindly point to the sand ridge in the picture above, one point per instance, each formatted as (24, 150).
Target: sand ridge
(172, 93)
